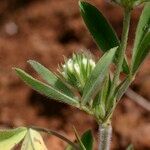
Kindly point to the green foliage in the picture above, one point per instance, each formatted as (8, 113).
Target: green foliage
(85, 142)
(129, 3)
(45, 89)
(93, 93)
(122, 87)
(100, 29)
(33, 141)
(84, 83)
(142, 39)
(10, 138)
(100, 101)
(51, 78)
(96, 23)
(94, 83)
(130, 147)
(79, 141)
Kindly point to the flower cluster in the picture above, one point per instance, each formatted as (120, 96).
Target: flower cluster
(77, 70)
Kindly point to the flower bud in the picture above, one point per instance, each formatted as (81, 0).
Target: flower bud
(77, 70)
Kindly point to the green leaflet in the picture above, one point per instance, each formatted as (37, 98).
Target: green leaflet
(69, 147)
(98, 26)
(10, 138)
(130, 147)
(122, 88)
(33, 141)
(100, 101)
(45, 89)
(100, 29)
(143, 25)
(78, 138)
(95, 81)
(51, 78)
(142, 39)
(54, 133)
(105, 90)
(99, 107)
(87, 140)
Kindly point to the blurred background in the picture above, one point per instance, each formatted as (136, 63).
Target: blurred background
(45, 30)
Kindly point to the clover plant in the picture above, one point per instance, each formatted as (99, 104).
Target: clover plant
(87, 84)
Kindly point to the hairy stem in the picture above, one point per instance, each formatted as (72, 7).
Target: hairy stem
(121, 55)
(105, 136)
(124, 39)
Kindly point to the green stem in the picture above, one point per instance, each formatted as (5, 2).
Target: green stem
(105, 136)
(51, 132)
(121, 55)
(124, 39)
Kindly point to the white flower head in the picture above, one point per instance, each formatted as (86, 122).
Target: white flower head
(77, 70)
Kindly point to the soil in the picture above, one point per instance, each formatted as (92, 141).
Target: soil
(47, 30)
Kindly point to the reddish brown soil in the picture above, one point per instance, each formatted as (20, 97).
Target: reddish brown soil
(45, 30)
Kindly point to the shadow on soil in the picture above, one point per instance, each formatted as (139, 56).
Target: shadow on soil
(47, 107)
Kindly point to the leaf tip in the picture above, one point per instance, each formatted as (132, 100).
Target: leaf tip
(30, 61)
(16, 69)
(81, 5)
